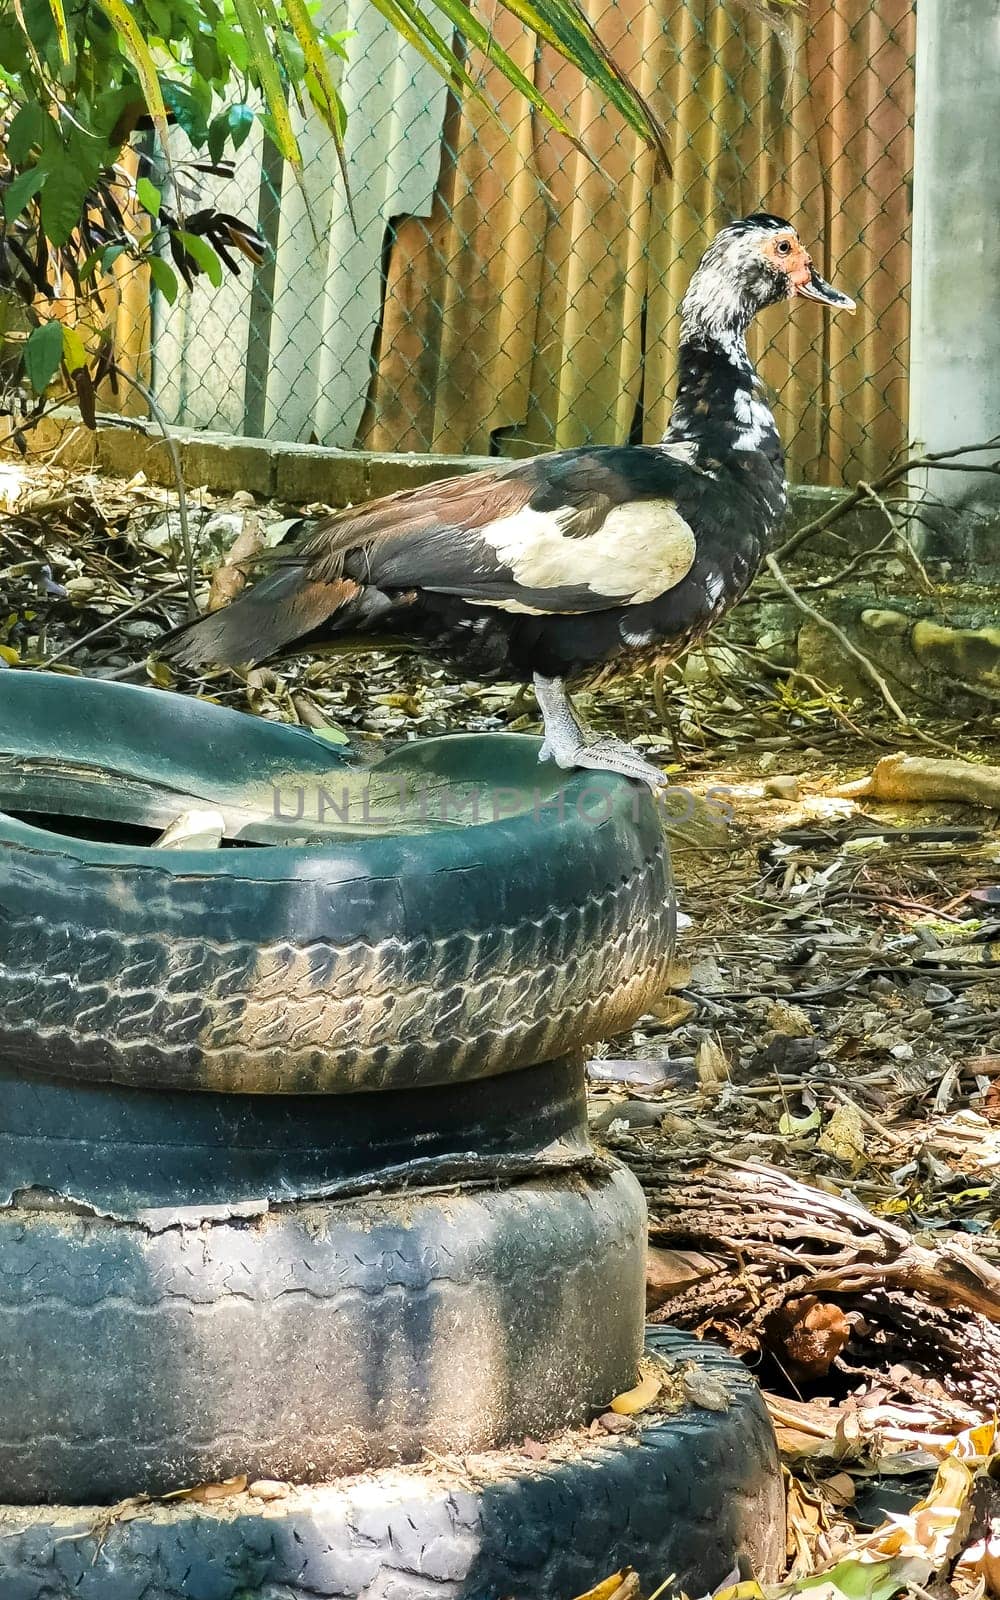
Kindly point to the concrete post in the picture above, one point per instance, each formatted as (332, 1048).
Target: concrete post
(955, 328)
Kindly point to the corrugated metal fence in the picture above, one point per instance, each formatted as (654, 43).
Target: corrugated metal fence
(501, 295)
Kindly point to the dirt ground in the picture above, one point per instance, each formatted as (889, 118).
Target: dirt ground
(831, 1038)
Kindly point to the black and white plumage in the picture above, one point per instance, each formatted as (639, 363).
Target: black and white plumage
(544, 568)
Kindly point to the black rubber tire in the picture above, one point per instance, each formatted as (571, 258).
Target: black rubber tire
(695, 1494)
(312, 1340)
(129, 1152)
(416, 956)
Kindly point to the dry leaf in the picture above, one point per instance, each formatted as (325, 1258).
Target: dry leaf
(791, 1021)
(611, 1422)
(937, 1528)
(982, 1556)
(844, 1135)
(672, 1010)
(159, 673)
(229, 580)
(678, 972)
(637, 1072)
(639, 1398)
(629, 1590)
(980, 1441)
(670, 1272)
(534, 1450)
(812, 1429)
(806, 1520)
(204, 1492)
(711, 1064)
(840, 1489)
(613, 1588)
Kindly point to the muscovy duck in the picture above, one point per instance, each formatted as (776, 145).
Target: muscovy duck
(546, 568)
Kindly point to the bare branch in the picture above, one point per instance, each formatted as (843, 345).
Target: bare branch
(941, 460)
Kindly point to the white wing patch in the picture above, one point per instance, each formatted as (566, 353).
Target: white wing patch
(641, 549)
(685, 450)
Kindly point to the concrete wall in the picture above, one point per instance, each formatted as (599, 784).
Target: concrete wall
(955, 328)
(301, 474)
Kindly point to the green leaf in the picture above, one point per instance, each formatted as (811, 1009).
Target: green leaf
(74, 351)
(164, 277)
(160, 16)
(466, 22)
(108, 110)
(207, 59)
(863, 1580)
(149, 196)
(120, 16)
(89, 265)
(233, 124)
(62, 201)
(204, 255)
(336, 42)
(564, 24)
(218, 135)
(289, 52)
(418, 30)
(24, 188)
(24, 133)
(62, 31)
(319, 83)
(43, 351)
(266, 72)
(241, 120)
(189, 111)
(796, 1127)
(234, 45)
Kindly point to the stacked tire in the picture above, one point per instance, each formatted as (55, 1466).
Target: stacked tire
(295, 1181)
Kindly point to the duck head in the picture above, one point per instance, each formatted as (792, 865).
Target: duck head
(750, 264)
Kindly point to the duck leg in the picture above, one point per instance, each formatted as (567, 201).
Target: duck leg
(570, 743)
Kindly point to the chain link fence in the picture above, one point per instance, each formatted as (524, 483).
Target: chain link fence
(502, 294)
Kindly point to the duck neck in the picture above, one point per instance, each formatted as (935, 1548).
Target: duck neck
(719, 405)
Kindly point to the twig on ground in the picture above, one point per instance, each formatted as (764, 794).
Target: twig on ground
(900, 540)
(856, 561)
(175, 462)
(868, 667)
(113, 622)
(768, 1239)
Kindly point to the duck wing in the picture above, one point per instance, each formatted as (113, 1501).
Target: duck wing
(577, 531)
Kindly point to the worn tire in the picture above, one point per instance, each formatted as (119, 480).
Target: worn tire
(394, 954)
(695, 1494)
(149, 1155)
(312, 1340)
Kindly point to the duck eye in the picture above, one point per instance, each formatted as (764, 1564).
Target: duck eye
(783, 247)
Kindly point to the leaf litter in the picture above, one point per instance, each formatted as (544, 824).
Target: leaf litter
(813, 1109)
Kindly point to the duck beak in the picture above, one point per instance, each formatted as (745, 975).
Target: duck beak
(814, 287)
